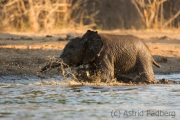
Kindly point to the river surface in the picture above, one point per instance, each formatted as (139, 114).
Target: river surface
(54, 98)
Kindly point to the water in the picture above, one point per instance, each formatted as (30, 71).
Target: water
(54, 98)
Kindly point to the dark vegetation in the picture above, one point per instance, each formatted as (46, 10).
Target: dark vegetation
(23, 15)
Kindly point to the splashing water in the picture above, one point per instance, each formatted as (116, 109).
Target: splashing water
(63, 97)
(26, 99)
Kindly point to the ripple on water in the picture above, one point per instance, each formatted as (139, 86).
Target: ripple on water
(55, 98)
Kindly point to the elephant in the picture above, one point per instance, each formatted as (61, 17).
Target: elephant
(123, 57)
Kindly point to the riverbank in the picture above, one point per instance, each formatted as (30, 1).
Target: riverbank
(25, 54)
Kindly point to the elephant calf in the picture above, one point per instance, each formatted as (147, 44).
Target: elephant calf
(123, 57)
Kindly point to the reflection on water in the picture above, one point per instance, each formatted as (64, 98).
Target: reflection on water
(52, 98)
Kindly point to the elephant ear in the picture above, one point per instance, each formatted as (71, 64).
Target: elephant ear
(92, 46)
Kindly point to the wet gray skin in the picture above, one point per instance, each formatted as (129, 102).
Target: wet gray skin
(122, 57)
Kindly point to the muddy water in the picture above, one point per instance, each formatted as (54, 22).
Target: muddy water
(53, 98)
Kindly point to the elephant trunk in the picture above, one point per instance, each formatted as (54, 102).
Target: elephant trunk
(55, 64)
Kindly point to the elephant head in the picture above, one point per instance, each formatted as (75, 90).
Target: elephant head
(72, 52)
(92, 46)
(82, 50)
(79, 51)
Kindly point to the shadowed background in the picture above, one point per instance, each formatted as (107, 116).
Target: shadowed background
(28, 15)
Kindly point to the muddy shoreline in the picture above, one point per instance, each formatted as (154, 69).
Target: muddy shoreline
(25, 55)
